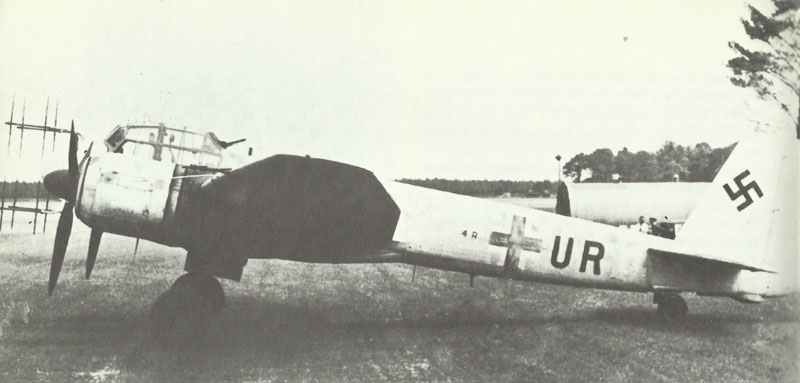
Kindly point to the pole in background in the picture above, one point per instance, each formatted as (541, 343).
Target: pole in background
(558, 170)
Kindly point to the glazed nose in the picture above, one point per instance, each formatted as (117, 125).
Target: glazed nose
(60, 184)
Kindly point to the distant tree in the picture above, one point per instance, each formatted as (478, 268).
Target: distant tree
(624, 164)
(575, 166)
(601, 163)
(699, 163)
(760, 70)
(672, 160)
(699, 159)
(644, 168)
(543, 189)
(10, 190)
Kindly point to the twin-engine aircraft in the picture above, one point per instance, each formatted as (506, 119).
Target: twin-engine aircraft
(740, 241)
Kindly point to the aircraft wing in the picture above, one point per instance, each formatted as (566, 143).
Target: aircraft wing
(294, 207)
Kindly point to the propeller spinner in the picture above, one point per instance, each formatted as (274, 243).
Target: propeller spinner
(64, 184)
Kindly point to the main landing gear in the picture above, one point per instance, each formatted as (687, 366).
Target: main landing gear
(183, 313)
(671, 307)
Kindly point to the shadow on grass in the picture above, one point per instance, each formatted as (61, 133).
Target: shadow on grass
(253, 335)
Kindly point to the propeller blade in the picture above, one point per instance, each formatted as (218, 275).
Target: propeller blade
(60, 246)
(73, 151)
(94, 245)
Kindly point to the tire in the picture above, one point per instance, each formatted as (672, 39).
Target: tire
(672, 308)
(178, 318)
(207, 286)
(182, 314)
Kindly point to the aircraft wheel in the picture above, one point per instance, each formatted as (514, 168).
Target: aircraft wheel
(183, 313)
(207, 286)
(671, 307)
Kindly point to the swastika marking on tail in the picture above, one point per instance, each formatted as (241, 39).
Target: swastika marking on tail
(743, 190)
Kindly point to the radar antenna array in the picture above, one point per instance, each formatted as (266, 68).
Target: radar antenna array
(14, 193)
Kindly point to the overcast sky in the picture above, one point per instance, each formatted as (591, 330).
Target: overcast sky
(455, 89)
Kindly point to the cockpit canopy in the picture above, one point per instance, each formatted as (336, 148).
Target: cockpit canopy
(160, 143)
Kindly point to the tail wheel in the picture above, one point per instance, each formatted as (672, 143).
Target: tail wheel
(671, 307)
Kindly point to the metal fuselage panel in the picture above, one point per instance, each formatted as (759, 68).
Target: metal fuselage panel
(484, 237)
(128, 197)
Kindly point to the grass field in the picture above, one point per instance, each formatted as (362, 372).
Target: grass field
(297, 322)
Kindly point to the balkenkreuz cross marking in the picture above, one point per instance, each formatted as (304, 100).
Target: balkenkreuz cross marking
(516, 242)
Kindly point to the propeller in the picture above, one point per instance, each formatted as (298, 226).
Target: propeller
(91, 257)
(64, 184)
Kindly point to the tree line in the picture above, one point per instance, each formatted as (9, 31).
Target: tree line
(487, 188)
(20, 190)
(698, 163)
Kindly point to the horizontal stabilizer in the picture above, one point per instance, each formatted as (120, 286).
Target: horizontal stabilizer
(698, 259)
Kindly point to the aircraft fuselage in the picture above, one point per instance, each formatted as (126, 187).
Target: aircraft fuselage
(489, 238)
(155, 201)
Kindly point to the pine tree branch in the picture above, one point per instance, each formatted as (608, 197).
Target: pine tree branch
(786, 53)
(793, 85)
(785, 109)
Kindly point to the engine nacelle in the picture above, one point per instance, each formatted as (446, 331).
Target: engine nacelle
(132, 197)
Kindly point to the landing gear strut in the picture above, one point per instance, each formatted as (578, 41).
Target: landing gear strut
(671, 307)
(183, 313)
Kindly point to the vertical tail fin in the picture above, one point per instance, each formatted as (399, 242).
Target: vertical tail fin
(750, 212)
